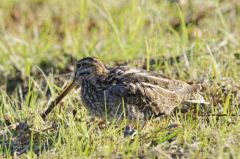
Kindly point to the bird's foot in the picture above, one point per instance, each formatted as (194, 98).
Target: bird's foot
(129, 131)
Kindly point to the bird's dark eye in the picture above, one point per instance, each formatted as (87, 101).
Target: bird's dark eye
(83, 65)
(78, 65)
(83, 71)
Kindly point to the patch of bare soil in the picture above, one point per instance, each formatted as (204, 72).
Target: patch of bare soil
(20, 137)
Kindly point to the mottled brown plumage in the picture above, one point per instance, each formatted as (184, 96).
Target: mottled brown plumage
(118, 92)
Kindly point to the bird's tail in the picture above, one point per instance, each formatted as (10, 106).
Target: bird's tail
(191, 94)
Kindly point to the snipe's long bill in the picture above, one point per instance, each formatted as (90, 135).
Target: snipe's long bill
(59, 99)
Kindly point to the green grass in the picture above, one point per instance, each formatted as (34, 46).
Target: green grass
(38, 39)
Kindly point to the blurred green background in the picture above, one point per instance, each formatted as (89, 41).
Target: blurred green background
(51, 31)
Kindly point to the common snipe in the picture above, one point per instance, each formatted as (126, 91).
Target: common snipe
(121, 91)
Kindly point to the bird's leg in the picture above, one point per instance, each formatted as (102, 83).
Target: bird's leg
(128, 130)
(131, 131)
(133, 127)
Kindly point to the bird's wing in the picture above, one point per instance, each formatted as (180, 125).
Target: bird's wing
(143, 89)
(137, 75)
(145, 95)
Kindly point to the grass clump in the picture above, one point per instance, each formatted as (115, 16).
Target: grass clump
(188, 40)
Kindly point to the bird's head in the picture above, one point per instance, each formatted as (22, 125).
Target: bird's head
(87, 69)
(90, 69)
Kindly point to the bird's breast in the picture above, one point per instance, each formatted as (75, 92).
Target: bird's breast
(92, 99)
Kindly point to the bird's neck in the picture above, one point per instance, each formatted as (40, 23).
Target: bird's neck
(94, 82)
(91, 90)
(101, 71)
